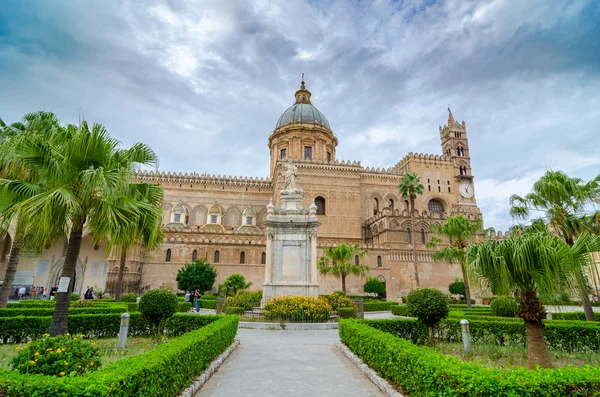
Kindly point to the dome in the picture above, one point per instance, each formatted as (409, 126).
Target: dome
(305, 113)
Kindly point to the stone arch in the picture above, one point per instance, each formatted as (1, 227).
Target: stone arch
(233, 217)
(394, 199)
(56, 270)
(376, 204)
(431, 206)
(167, 207)
(394, 224)
(198, 215)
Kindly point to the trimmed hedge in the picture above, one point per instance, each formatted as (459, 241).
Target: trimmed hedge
(571, 336)
(184, 307)
(401, 310)
(16, 329)
(163, 371)
(346, 312)
(233, 310)
(569, 316)
(208, 304)
(378, 306)
(421, 371)
(49, 311)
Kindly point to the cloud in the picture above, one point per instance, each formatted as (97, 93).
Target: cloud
(203, 82)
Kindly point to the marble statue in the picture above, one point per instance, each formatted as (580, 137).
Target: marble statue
(290, 171)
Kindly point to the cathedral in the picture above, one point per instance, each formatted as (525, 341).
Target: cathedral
(221, 217)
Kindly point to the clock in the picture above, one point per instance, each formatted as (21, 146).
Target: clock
(466, 190)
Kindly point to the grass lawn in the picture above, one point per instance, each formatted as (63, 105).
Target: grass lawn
(108, 349)
(505, 356)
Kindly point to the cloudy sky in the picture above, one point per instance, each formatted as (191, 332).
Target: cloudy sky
(203, 82)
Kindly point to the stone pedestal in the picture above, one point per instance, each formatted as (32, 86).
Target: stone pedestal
(291, 267)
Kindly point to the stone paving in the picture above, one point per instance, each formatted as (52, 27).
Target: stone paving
(288, 363)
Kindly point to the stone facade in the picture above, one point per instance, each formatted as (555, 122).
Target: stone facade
(223, 218)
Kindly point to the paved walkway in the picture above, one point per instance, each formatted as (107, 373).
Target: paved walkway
(288, 363)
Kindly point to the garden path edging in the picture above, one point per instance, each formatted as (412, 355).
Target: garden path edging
(288, 326)
(381, 383)
(199, 381)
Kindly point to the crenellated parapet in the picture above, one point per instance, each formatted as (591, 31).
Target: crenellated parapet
(195, 178)
(432, 159)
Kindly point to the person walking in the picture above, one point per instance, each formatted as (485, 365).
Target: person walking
(43, 293)
(22, 292)
(33, 292)
(53, 292)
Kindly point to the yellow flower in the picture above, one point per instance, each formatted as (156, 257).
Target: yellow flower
(68, 334)
(31, 362)
(74, 338)
(49, 349)
(58, 350)
(79, 366)
(66, 363)
(93, 343)
(46, 335)
(28, 342)
(91, 364)
(37, 354)
(17, 348)
(73, 372)
(62, 374)
(82, 335)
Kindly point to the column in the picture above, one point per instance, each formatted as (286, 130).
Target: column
(313, 258)
(268, 261)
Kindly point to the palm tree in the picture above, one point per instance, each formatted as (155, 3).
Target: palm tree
(143, 201)
(34, 123)
(528, 267)
(79, 172)
(338, 261)
(562, 200)
(461, 233)
(410, 186)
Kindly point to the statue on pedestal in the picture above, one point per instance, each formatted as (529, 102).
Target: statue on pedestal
(290, 171)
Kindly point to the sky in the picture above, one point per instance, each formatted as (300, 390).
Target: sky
(204, 82)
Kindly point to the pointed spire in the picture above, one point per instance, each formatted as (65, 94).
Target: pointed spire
(302, 86)
(450, 117)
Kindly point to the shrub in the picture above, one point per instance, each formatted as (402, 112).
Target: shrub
(233, 284)
(420, 371)
(184, 307)
(429, 305)
(400, 310)
(209, 297)
(75, 297)
(162, 371)
(157, 305)
(49, 311)
(208, 303)
(458, 288)
(378, 306)
(337, 300)
(58, 356)
(245, 299)
(504, 307)
(233, 310)
(199, 275)
(569, 316)
(347, 312)
(374, 286)
(297, 309)
(129, 297)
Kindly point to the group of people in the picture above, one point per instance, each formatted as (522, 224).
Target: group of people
(88, 293)
(35, 292)
(190, 296)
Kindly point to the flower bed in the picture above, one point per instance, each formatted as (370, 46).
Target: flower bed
(163, 371)
(420, 371)
(297, 309)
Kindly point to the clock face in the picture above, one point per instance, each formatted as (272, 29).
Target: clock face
(466, 190)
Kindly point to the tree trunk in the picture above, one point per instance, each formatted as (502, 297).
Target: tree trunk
(463, 267)
(119, 286)
(430, 334)
(531, 311)
(11, 268)
(412, 240)
(63, 299)
(536, 346)
(343, 283)
(585, 299)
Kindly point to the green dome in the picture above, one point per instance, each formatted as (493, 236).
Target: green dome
(305, 113)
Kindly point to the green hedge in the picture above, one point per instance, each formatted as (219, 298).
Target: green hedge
(570, 316)
(379, 306)
(421, 371)
(400, 310)
(163, 371)
(346, 312)
(233, 310)
(184, 307)
(16, 329)
(572, 336)
(208, 303)
(43, 311)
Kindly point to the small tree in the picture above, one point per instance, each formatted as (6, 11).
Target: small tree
(457, 288)
(374, 286)
(429, 305)
(199, 275)
(410, 186)
(338, 261)
(156, 306)
(233, 284)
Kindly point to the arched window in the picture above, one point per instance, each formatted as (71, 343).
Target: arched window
(408, 237)
(375, 206)
(194, 256)
(422, 236)
(356, 260)
(242, 257)
(407, 205)
(392, 206)
(379, 261)
(435, 206)
(216, 257)
(168, 255)
(320, 203)
(263, 258)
